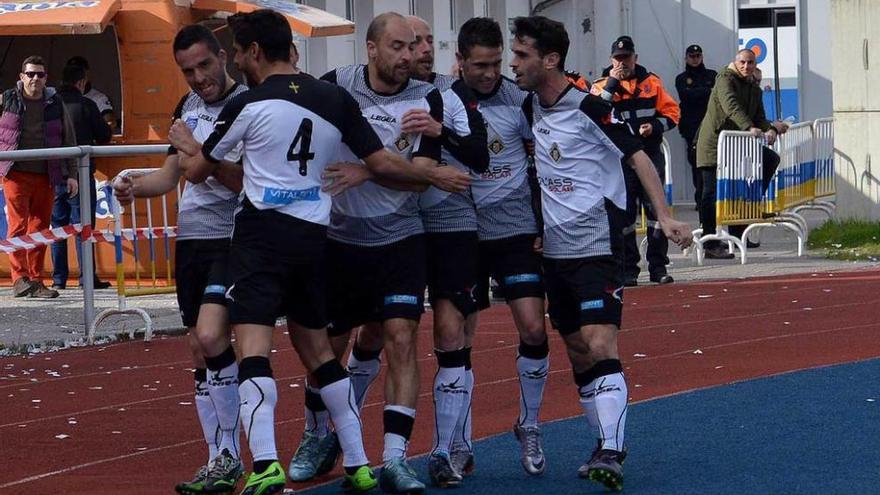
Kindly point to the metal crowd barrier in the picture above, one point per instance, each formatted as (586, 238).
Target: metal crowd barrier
(151, 233)
(83, 154)
(805, 173)
(823, 155)
(642, 226)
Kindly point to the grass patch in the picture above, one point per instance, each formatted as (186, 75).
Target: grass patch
(855, 240)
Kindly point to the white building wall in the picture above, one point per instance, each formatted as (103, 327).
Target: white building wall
(661, 30)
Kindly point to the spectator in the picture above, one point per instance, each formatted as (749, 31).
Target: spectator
(694, 86)
(639, 99)
(100, 99)
(33, 117)
(734, 104)
(90, 129)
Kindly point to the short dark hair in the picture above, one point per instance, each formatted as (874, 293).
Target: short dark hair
(78, 60)
(195, 33)
(377, 25)
(33, 60)
(482, 31)
(267, 28)
(549, 35)
(72, 74)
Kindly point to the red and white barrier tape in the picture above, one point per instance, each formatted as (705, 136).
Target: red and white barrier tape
(49, 236)
(42, 238)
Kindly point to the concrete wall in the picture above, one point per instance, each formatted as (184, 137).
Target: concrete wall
(815, 68)
(855, 56)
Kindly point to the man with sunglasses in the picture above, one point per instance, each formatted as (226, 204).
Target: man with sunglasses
(33, 116)
(694, 86)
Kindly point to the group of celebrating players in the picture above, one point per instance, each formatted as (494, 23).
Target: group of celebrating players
(334, 202)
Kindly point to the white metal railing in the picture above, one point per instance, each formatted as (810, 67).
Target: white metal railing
(84, 154)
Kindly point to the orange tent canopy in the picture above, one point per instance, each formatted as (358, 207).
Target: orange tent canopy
(30, 18)
(305, 20)
(64, 17)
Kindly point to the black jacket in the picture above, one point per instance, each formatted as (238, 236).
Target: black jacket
(694, 86)
(90, 127)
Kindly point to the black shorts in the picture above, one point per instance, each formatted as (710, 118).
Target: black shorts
(200, 271)
(584, 291)
(514, 264)
(374, 284)
(452, 268)
(277, 268)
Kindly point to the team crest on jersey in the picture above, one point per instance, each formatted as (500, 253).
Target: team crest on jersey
(554, 153)
(496, 146)
(402, 142)
(689, 81)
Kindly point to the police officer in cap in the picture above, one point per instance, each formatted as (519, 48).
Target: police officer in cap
(640, 100)
(694, 86)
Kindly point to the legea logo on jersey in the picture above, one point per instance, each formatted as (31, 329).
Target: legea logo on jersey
(496, 172)
(275, 196)
(192, 122)
(557, 184)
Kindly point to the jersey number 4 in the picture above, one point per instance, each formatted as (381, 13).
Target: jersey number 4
(303, 137)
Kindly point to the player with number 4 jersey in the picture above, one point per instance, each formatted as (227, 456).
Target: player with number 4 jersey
(290, 126)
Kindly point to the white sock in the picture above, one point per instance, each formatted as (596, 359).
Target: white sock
(397, 418)
(449, 396)
(532, 379)
(340, 401)
(207, 417)
(608, 394)
(362, 375)
(317, 415)
(223, 388)
(462, 436)
(588, 404)
(258, 399)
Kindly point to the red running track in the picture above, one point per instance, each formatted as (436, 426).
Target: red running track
(120, 418)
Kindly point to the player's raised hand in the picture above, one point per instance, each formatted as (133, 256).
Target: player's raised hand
(449, 179)
(181, 137)
(419, 121)
(340, 177)
(123, 189)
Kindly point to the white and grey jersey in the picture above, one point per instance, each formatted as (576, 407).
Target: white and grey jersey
(371, 214)
(101, 100)
(578, 152)
(291, 127)
(464, 147)
(206, 210)
(501, 193)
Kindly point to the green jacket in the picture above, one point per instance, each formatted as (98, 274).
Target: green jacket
(735, 104)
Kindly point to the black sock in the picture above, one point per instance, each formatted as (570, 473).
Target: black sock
(262, 466)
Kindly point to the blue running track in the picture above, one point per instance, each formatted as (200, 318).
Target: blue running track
(807, 432)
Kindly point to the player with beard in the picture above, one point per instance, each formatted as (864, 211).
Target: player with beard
(451, 240)
(451, 225)
(291, 127)
(205, 220)
(377, 245)
(509, 238)
(583, 228)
